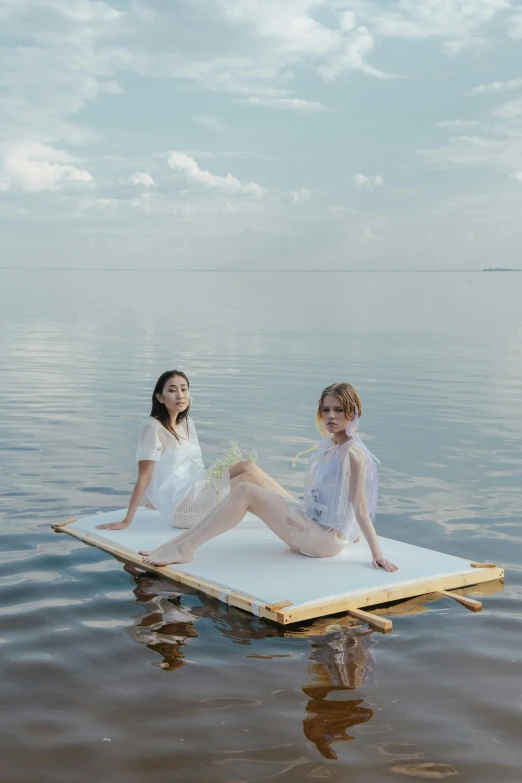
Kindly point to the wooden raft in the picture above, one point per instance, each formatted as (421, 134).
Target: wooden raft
(250, 569)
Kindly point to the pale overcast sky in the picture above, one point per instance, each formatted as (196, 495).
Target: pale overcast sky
(261, 133)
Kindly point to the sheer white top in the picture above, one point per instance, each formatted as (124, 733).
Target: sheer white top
(334, 487)
(177, 465)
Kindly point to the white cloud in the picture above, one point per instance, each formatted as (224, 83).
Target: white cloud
(288, 104)
(457, 124)
(515, 25)
(503, 150)
(511, 84)
(299, 196)
(500, 146)
(85, 11)
(213, 153)
(178, 161)
(508, 110)
(54, 62)
(370, 183)
(208, 121)
(517, 175)
(472, 43)
(142, 178)
(34, 167)
(291, 34)
(351, 55)
(454, 19)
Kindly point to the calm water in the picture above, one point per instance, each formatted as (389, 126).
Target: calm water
(110, 676)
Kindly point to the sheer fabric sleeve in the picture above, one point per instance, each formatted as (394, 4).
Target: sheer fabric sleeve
(355, 468)
(193, 436)
(351, 497)
(148, 446)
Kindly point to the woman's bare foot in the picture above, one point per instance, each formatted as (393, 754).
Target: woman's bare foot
(167, 554)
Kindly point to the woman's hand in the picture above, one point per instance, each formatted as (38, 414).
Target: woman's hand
(113, 525)
(380, 562)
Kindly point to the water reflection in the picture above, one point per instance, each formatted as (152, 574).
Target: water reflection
(166, 627)
(340, 653)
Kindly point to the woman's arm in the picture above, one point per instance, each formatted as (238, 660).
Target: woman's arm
(145, 467)
(357, 497)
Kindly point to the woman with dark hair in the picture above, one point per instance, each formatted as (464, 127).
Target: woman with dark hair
(170, 465)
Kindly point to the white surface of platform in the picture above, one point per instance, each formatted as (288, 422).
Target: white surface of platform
(250, 560)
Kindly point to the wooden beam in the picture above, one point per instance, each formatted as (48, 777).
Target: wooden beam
(278, 605)
(380, 623)
(470, 603)
(483, 565)
(57, 526)
(388, 594)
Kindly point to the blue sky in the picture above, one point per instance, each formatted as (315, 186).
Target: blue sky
(261, 133)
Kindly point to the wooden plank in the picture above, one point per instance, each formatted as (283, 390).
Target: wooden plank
(483, 565)
(380, 623)
(278, 605)
(58, 525)
(469, 603)
(388, 594)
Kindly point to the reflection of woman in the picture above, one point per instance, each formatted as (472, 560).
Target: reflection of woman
(170, 463)
(342, 660)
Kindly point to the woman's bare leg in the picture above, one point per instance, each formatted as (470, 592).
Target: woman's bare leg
(235, 482)
(255, 475)
(246, 497)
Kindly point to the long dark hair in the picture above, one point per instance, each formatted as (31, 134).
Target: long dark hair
(159, 410)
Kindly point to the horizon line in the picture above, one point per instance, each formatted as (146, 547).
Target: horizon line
(262, 271)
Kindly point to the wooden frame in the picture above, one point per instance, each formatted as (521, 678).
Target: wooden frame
(281, 612)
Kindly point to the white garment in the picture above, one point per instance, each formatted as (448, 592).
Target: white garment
(178, 473)
(334, 488)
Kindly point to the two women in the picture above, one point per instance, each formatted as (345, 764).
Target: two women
(171, 473)
(340, 493)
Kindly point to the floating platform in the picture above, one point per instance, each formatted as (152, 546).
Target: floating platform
(249, 568)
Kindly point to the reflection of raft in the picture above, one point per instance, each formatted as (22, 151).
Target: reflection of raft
(251, 569)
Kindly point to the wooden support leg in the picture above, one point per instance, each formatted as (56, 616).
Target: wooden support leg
(377, 622)
(469, 603)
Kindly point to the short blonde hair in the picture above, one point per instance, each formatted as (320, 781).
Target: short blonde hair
(348, 398)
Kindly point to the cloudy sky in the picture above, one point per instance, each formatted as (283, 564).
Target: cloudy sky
(261, 133)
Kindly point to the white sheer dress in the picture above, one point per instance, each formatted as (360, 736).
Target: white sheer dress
(180, 488)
